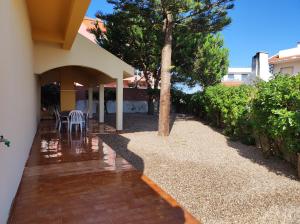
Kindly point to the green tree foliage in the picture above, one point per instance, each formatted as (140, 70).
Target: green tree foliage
(151, 25)
(211, 61)
(206, 16)
(276, 111)
(134, 35)
(229, 107)
(199, 59)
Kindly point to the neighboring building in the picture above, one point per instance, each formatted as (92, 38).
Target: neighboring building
(260, 67)
(258, 70)
(237, 76)
(90, 23)
(286, 61)
(131, 82)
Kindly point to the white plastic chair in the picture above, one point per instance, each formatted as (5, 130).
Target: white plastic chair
(60, 120)
(76, 117)
(63, 120)
(57, 118)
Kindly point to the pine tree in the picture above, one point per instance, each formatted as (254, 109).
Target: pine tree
(156, 21)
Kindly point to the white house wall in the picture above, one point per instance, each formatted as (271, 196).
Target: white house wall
(19, 97)
(295, 65)
(290, 52)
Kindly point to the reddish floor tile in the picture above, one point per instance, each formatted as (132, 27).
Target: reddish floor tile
(80, 179)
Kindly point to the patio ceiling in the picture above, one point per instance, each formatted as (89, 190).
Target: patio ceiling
(86, 76)
(56, 21)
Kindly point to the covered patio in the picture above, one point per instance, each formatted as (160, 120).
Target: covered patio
(86, 64)
(67, 77)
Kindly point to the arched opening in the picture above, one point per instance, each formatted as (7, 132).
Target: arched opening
(77, 87)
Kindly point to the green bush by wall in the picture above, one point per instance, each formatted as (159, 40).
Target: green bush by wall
(276, 111)
(229, 108)
(270, 110)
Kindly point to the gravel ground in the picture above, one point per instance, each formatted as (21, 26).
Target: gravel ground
(217, 180)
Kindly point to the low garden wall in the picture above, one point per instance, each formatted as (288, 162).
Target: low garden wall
(132, 106)
(129, 106)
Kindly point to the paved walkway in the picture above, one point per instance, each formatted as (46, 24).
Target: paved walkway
(83, 179)
(217, 180)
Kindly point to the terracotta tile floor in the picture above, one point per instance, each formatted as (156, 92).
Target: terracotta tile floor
(80, 179)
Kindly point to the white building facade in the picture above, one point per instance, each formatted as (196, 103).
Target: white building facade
(263, 68)
(286, 61)
(237, 75)
(259, 70)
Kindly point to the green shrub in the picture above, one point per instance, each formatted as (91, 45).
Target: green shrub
(271, 110)
(198, 104)
(229, 108)
(276, 111)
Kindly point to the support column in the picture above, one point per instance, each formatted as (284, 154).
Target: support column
(119, 104)
(101, 103)
(90, 102)
(67, 94)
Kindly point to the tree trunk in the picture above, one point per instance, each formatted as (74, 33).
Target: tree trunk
(166, 55)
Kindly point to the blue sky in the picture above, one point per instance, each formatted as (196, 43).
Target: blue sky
(257, 25)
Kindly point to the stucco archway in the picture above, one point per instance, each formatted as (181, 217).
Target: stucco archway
(84, 75)
(85, 54)
(89, 78)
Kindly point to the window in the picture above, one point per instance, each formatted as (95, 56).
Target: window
(287, 70)
(230, 77)
(244, 77)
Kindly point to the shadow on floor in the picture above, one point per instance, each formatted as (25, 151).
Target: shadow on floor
(273, 164)
(143, 122)
(166, 208)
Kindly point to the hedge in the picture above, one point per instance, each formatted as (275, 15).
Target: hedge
(276, 112)
(228, 107)
(269, 109)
